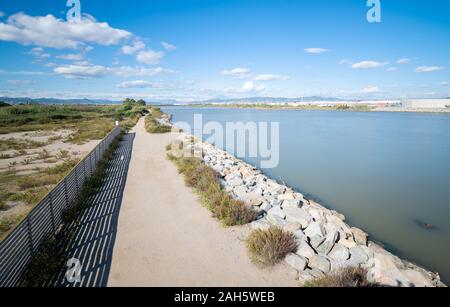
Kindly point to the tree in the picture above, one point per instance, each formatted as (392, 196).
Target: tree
(4, 104)
(141, 102)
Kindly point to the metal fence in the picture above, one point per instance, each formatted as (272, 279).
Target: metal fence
(18, 248)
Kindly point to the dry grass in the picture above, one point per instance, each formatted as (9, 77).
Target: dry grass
(268, 247)
(205, 181)
(345, 278)
(152, 124)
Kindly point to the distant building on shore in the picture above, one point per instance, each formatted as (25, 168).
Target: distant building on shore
(426, 103)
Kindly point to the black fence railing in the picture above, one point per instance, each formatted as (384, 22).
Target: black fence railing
(17, 249)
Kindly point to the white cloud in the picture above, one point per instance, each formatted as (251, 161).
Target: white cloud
(368, 65)
(85, 70)
(248, 87)
(316, 50)
(150, 57)
(2, 14)
(19, 82)
(370, 90)
(169, 47)
(237, 73)
(391, 69)
(135, 84)
(48, 31)
(137, 45)
(271, 77)
(345, 62)
(39, 53)
(429, 68)
(127, 71)
(71, 57)
(404, 61)
(81, 71)
(445, 83)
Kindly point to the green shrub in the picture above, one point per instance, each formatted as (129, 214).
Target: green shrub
(345, 278)
(268, 247)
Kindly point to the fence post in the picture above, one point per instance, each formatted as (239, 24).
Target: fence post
(66, 194)
(52, 213)
(76, 178)
(30, 236)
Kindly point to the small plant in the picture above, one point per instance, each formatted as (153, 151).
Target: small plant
(27, 161)
(4, 156)
(44, 154)
(268, 247)
(62, 155)
(12, 168)
(345, 278)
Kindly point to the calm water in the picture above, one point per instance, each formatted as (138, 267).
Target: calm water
(384, 171)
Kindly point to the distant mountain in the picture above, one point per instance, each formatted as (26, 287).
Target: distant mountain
(57, 101)
(249, 100)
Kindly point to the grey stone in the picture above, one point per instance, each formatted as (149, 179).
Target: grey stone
(266, 206)
(358, 255)
(277, 211)
(316, 241)
(320, 263)
(276, 220)
(360, 236)
(300, 236)
(260, 224)
(291, 203)
(296, 261)
(315, 228)
(339, 253)
(297, 215)
(292, 227)
(328, 245)
(304, 249)
(276, 203)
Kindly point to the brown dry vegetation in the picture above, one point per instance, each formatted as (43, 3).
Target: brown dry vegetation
(345, 278)
(205, 181)
(268, 247)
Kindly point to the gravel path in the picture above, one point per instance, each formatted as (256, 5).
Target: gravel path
(166, 238)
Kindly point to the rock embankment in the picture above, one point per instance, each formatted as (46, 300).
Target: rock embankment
(325, 242)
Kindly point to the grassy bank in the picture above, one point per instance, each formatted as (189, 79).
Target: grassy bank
(51, 257)
(153, 124)
(205, 181)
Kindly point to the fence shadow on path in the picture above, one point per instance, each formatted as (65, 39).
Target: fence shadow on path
(94, 236)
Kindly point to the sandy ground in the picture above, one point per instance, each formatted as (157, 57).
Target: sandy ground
(166, 238)
(74, 151)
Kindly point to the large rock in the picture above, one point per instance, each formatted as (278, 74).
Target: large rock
(349, 243)
(339, 253)
(296, 261)
(295, 203)
(358, 255)
(316, 241)
(360, 236)
(313, 229)
(275, 220)
(297, 215)
(328, 245)
(261, 224)
(320, 263)
(304, 249)
(292, 227)
(277, 211)
(286, 196)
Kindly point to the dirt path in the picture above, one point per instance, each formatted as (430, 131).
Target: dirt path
(166, 238)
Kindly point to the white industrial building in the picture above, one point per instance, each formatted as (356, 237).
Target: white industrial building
(426, 103)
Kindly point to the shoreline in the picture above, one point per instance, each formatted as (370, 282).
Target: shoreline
(287, 108)
(326, 242)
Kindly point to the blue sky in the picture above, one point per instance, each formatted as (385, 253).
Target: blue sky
(205, 49)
